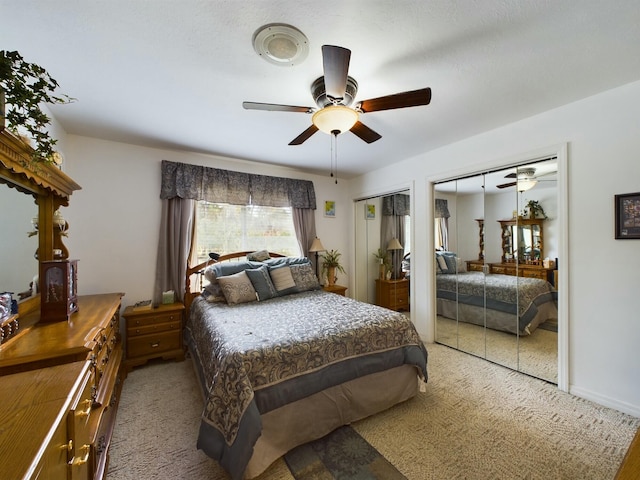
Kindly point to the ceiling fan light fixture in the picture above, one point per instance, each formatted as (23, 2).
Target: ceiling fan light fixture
(281, 44)
(526, 184)
(335, 118)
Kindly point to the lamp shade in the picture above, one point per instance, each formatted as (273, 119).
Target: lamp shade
(335, 118)
(317, 246)
(394, 244)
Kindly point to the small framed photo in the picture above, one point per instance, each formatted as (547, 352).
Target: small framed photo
(369, 211)
(330, 208)
(627, 207)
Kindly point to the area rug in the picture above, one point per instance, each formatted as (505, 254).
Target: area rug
(341, 455)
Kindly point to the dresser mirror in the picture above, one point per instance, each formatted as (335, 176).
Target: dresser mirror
(488, 253)
(19, 264)
(29, 190)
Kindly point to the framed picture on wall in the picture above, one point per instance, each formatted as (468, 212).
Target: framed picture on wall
(369, 211)
(627, 208)
(330, 208)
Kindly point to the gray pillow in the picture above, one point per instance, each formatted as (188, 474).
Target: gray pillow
(259, 256)
(261, 281)
(237, 288)
(304, 277)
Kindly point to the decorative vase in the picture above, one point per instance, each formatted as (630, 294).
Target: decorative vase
(331, 276)
(382, 271)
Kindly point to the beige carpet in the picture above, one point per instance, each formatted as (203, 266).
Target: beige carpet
(477, 420)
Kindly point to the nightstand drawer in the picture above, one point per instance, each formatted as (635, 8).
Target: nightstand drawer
(153, 328)
(150, 319)
(152, 344)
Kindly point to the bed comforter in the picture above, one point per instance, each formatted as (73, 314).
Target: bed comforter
(503, 293)
(255, 357)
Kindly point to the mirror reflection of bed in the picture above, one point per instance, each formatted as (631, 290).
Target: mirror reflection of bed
(493, 300)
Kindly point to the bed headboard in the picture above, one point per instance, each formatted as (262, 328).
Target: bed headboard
(199, 270)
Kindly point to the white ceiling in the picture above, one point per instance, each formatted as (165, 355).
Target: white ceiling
(174, 74)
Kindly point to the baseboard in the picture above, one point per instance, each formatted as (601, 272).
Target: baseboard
(605, 401)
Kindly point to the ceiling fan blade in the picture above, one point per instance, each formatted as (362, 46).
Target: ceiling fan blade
(273, 107)
(399, 100)
(511, 175)
(304, 135)
(335, 62)
(507, 185)
(365, 133)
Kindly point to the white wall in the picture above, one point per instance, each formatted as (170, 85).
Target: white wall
(115, 219)
(603, 274)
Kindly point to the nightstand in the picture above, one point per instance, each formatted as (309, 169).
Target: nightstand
(154, 333)
(337, 289)
(393, 294)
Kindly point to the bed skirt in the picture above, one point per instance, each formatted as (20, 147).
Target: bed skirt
(315, 416)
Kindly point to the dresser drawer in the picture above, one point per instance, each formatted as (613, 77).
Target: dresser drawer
(153, 344)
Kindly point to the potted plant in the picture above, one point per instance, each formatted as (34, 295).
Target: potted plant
(382, 256)
(534, 210)
(331, 264)
(25, 87)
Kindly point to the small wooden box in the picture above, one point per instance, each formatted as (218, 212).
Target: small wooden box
(58, 290)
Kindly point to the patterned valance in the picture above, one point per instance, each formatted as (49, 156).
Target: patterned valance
(398, 204)
(197, 182)
(442, 210)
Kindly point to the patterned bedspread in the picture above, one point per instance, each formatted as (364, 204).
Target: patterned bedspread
(255, 357)
(504, 293)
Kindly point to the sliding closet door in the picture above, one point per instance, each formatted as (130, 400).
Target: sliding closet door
(500, 204)
(367, 242)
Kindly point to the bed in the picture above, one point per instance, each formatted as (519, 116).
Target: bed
(294, 363)
(462, 296)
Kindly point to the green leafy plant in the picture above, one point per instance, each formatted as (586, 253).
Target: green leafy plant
(25, 87)
(383, 257)
(330, 260)
(533, 209)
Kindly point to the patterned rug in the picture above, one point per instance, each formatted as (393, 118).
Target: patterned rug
(341, 455)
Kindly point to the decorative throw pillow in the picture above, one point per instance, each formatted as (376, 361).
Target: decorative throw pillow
(304, 277)
(259, 256)
(237, 288)
(213, 293)
(283, 280)
(261, 281)
(442, 264)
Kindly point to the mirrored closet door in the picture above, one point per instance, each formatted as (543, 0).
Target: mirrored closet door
(383, 250)
(496, 251)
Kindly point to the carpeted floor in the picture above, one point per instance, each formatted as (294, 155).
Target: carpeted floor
(477, 420)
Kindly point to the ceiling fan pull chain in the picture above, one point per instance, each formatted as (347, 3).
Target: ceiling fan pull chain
(334, 154)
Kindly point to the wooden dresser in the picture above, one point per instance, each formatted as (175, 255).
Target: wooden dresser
(522, 270)
(46, 417)
(91, 336)
(393, 294)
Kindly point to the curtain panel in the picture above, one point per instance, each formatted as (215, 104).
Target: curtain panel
(198, 182)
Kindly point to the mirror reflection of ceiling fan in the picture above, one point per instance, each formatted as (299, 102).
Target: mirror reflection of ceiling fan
(334, 93)
(526, 179)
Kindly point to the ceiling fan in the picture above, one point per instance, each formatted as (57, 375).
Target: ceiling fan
(526, 179)
(334, 93)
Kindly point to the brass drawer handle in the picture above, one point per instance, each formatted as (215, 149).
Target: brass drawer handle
(85, 449)
(87, 411)
(155, 345)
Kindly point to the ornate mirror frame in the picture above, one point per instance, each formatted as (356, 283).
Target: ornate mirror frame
(51, 189)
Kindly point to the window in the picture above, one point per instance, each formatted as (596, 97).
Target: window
(226, 228)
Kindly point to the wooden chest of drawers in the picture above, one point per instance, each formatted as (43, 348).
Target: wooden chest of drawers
(91, 334)
(47, 418)
(155, 333)
(393, 294)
